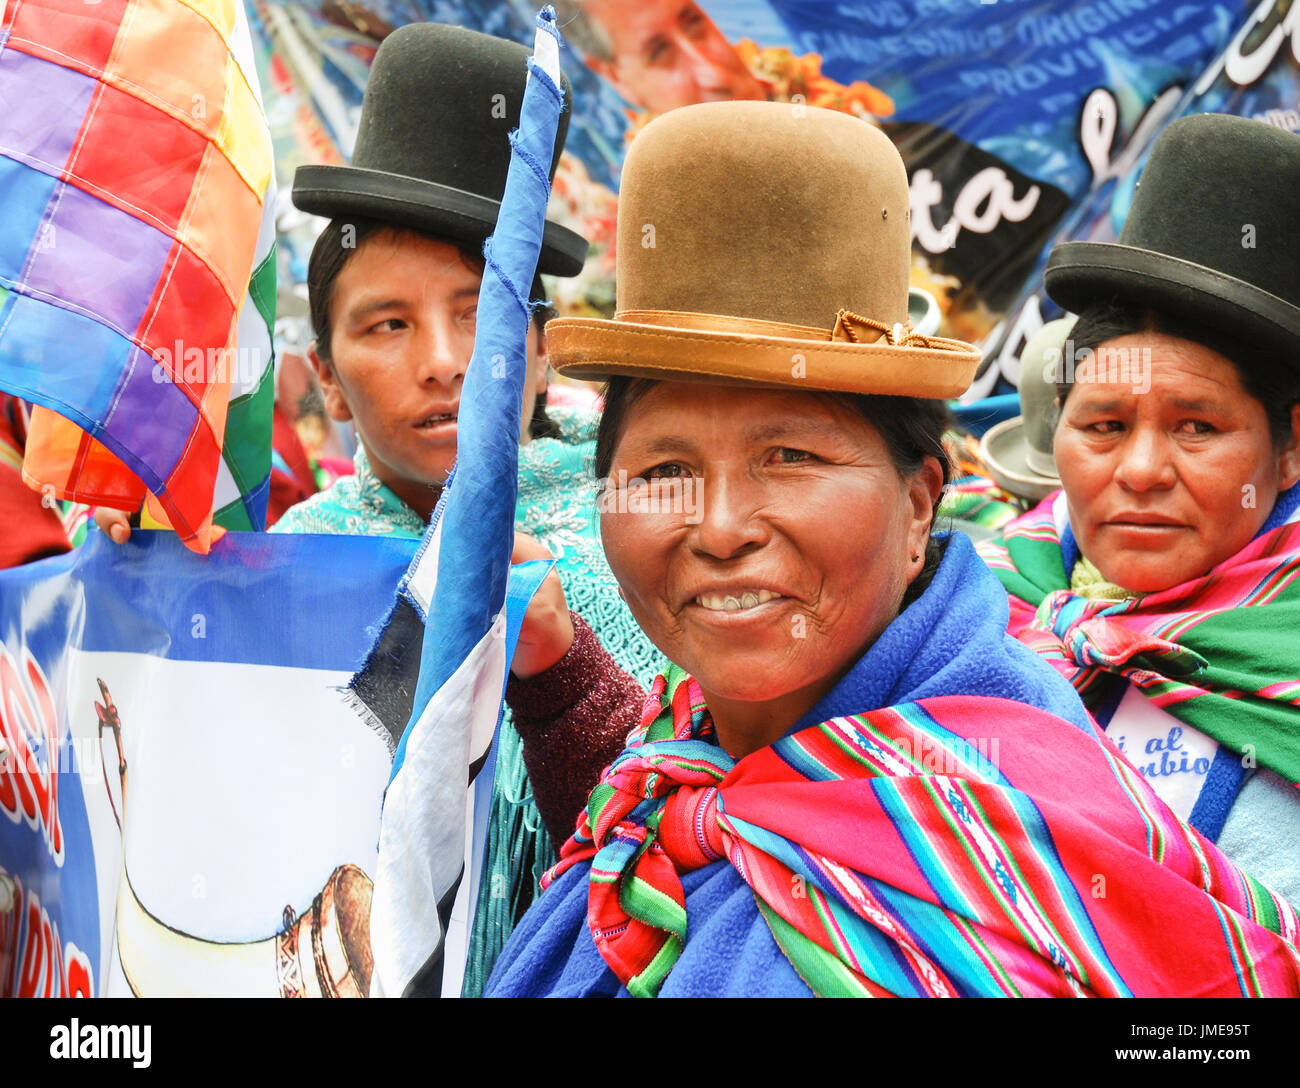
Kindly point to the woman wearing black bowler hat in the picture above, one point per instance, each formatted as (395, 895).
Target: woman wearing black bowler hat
(1164, 579)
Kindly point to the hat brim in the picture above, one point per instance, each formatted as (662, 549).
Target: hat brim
(1005, 453)
(339, 191)
(594, 349)
(1081, 273)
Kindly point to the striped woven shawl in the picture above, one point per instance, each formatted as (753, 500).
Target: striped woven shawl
(941, 847)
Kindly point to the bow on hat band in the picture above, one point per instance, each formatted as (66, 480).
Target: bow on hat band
(848, 328)
(857, 330)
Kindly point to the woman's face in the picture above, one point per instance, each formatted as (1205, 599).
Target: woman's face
(403, 319)
(1166, 482)
(771, 545)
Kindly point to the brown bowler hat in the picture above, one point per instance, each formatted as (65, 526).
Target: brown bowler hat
(767, 243)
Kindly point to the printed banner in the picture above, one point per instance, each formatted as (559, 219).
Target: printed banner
(190, 805)
(983, 100)
(1257, 75)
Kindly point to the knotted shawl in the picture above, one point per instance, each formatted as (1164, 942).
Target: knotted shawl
(947, 820)
(931, 848)
(1220, 653)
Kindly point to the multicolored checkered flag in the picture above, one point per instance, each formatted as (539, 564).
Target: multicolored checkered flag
(137, 277)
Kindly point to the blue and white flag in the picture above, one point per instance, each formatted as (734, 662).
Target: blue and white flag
(458, 586)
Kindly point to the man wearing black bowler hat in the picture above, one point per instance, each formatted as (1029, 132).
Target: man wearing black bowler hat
(393, 279)
(393, 283)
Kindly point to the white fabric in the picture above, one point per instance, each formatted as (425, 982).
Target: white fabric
(424, 578)
(423, 837)
(1174, 757)
(546, 52)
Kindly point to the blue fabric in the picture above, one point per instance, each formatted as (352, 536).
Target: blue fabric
(551, 953)
(478, 503)
(950, 641)
(980, 415)
(1070, 553)
(1222, 784)
(1266, 814)
(1282, 510)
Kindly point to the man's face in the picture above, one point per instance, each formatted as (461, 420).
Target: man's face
(668, 54)
(403, 317)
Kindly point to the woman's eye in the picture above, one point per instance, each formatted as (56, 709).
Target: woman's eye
(787, 456)
(1196, 426)
(1106, 426)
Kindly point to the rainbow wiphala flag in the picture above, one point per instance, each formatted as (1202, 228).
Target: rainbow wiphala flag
(137, 277)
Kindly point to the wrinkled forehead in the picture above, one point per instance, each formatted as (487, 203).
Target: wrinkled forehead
(1150, 365)
(679, 413)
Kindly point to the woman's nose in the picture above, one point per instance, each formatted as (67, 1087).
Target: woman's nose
(729, 522)
(1146, 463)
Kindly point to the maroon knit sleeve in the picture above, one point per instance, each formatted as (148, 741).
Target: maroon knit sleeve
(573, 720)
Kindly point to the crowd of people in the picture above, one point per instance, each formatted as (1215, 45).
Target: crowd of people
(793, 727)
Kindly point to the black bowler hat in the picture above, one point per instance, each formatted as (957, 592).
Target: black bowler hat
(1212, 236)
(432, 150)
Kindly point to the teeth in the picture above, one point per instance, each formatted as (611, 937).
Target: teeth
(730, 603)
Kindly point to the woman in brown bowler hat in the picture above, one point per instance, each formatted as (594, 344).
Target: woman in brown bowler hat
(850, 780)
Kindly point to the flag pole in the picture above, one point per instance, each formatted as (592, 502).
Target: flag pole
(466, 556)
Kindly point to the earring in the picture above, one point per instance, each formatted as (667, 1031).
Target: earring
(915, 558)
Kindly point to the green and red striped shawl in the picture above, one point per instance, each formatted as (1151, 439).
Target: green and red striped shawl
(930, 848)
(1220, 653)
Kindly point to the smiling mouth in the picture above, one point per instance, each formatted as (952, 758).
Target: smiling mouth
(729, 603)
(435, 421)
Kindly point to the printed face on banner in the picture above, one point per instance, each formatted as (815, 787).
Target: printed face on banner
(666, 54)
(986, 103)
